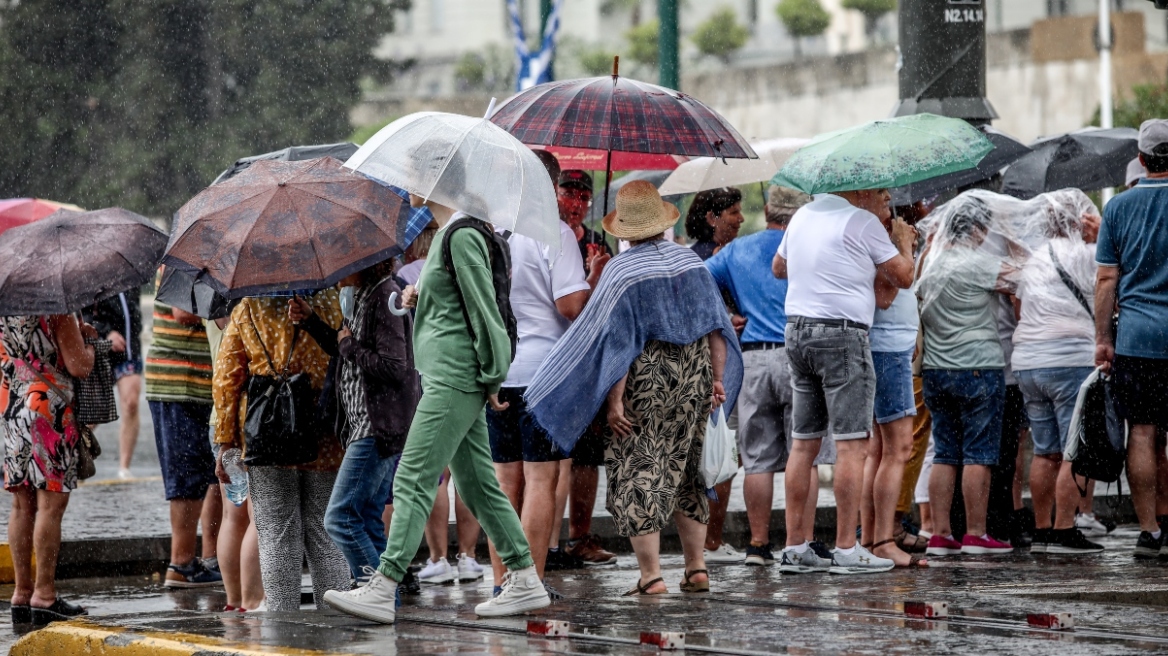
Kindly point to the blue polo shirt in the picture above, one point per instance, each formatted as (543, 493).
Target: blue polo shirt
(743, 268)
(1134, 238)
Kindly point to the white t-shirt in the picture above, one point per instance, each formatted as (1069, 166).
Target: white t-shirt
(536, 283)
(832, 249)
(1055, 330)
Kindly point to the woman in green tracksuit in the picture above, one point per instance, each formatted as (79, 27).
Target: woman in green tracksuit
(460, 371)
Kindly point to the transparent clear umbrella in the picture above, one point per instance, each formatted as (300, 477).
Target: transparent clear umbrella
(466, 163)
(704, 173)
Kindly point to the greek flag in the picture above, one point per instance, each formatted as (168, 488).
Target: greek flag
(534, 67)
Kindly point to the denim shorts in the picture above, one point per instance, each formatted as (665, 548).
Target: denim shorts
(1050, 401)
(833, 380)
(967, 407)
(180, 435)
(894, 385)
(514, 435)
(127, 368)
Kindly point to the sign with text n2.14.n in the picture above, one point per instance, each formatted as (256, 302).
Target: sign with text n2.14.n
(964, 11)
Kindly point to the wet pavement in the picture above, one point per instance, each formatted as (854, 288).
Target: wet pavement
(1119, 605)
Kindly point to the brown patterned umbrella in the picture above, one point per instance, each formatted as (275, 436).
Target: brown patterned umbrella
(281, 226)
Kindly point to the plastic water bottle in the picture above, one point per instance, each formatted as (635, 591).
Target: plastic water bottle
(237, 488)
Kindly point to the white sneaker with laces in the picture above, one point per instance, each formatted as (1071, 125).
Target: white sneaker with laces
(522, 592)
(860, 561)
(439, 572)
(1089, 526)
(375, 601)
(724, 555)
(469, 569)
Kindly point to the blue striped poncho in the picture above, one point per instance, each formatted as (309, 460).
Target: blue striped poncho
(654, 291)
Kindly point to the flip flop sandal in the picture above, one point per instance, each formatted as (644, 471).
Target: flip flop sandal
(914, 561)
(643, 590)
(696, 586)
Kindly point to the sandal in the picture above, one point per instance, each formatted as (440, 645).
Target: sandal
(643, 590)
(909, 542)
(696, 586)
(914, 561)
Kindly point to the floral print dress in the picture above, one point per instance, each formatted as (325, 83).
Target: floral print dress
(41, 440)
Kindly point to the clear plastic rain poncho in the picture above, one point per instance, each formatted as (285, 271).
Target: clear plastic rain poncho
(981, 234)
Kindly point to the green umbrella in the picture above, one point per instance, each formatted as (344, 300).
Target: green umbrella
(884, 154)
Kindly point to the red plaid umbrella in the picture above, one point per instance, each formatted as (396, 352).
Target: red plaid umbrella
(614, 113)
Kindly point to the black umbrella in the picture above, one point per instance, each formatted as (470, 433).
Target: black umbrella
(341, 151)
(1006, 151)
(184, 292)
(1087, 159)
(70, 260)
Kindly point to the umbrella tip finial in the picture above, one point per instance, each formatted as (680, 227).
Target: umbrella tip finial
(491, 107)
(615, 65)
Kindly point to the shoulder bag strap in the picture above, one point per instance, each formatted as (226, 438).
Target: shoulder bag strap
(264, 348)
(1066, 278)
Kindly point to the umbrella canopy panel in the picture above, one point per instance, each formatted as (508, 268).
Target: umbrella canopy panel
(713, 172)
(286, 225)
(19, 211)
(71, 260)
(341, 151)
(1088, 159)
(619, 114)
(1006, 151)
(597, 160)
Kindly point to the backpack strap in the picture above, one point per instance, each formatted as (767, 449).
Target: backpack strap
(1069, 282)
(448, 263)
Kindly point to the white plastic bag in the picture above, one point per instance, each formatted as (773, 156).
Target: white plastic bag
(1071, 451)
(720, 452)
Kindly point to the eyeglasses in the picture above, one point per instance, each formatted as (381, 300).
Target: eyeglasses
(576, 196)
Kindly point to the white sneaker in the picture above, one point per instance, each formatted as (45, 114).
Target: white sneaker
(263, 607)
(124, 474)
(469, 569)
(375, 601)
(1089, 526)
(439, 572)
(860, 561)
(724, 555)
(522, 592)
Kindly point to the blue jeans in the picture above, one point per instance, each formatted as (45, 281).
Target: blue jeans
(353, 519)
(1050, 401)
(967, 407)
(894, 385)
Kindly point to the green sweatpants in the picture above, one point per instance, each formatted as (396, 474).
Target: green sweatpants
(449, 428)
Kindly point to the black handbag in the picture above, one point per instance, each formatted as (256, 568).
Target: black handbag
(1101, 453)
(279, 429)
(95, 393)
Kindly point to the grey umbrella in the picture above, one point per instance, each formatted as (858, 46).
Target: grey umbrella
(1006, 151)
(341, 151)
(70, 260)
(1087, 159)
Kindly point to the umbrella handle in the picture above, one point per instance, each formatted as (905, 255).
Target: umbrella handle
(401, 312)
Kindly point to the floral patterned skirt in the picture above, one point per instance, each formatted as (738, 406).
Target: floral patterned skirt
(656, 471)
(41, 443)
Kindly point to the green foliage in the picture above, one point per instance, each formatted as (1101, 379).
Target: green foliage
(1148, 101)
(873, 8)
(596, 62)
(471, 70)
(362, 134)
(610, 7)
(803, 18)
(142, 104)
(720, 35)
(642, 41)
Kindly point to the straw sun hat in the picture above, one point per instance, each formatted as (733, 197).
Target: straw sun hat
(640, 213)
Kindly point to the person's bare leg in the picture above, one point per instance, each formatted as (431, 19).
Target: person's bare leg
(387, 517)
(692, 534)
(849, 483)
(582, 500)
(563, 484)
(1141, 474)
(942, 483)
(251, 583)
(231, 531)
(718, 514)
(466, 526)
(46, 541)
(510, 475)
(811, 505)
(438, 525)
(895, 449)
(758, 491)
(211, 518)
(184, 527)
(867, 500)
(21, 523)
(975, 486)
(1044, 473)
(129, 393)
(796, 484)
(648, 551)
(926, 511)
(1066, 498)
(539, 506)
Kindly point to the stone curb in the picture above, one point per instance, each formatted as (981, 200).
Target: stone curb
(83, 638)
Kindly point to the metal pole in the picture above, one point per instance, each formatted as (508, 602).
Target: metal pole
(1106, 102)
(669, 74)
(545, 10)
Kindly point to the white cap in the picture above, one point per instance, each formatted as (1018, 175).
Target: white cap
(1135, 172)
(1154, 137)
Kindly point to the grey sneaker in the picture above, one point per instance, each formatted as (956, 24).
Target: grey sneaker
(793, 562)
(860, 561)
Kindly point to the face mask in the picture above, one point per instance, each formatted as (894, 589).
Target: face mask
(348, 300)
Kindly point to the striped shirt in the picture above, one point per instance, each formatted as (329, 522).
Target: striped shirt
(178, 364)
